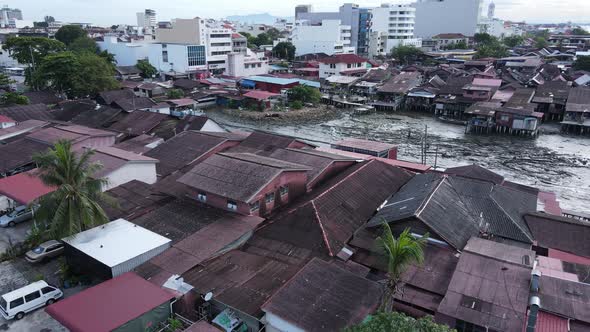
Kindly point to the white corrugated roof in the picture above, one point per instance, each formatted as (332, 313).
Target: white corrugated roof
(116, 242)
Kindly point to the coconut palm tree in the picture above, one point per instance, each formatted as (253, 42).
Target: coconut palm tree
(74, 206)
(400, 253)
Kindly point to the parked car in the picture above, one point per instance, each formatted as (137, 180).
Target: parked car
(20, 214)
(26, 299)
(45, 251)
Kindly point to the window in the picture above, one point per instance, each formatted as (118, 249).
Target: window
(219, 35)
(164, 56)
(269, 197)
(220, 53)
(284, 190)
(332, 65)
(220, 44)
(18, 302)
(33, 296)
(349, 65)
(47, 290)
(504, 118)
(259, 65)
(202, 197)
(196, 55)
(463, 326)
(255, 206)
(53, 247)
(232, 205)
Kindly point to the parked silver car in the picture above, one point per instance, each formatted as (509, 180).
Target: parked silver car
(45, 251)
(20, 214)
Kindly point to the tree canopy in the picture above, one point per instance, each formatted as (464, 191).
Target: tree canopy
(30, 50)
(406, 53)
(541, 42)
(147, 70)
(461, 45)
(74, 206)
(513, 41)
(261, 39)
(305, 94)
(68, 33)
(13, 98)
(175, 94)
(489, 46)
(76, 75)
(484, 38)
(284, 50)
(579, 31)
(398, 322)
(84, 44)
(582, 63)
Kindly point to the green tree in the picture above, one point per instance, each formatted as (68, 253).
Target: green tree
(399, 253)
(305, 94)
(175, 94)
(582, 63)
(461, 45)
(540, 42)
(579, 32)
(58, 70)
(74, 206)
(284, 50)
(5, 81)
(147, 70)
(513, 41)
(68, 33)
(109, 57)
(398, 322)
(273, 33)
(484, 38)
(406, 53)
(94, 75)
(30, 50)
(496, 50)
(84, 44)
(13, 98)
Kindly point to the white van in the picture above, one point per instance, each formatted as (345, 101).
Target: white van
(23, 300)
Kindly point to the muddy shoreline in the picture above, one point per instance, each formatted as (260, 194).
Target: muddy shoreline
(303, 116)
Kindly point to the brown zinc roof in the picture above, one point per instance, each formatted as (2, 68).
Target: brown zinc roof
(21, 113)
(182, 150)
(138, 122)
(236, 176)
(334, 298)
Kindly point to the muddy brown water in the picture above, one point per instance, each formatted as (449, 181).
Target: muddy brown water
(552, 162)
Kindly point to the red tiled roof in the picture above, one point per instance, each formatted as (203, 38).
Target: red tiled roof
(343, 58)
(109, 305)
(449, 36)
(24, 187)
(4, 118)
(260, 95)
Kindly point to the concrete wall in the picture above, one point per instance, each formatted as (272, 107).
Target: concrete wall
(447, 16)
(144, 172)
(126, 54)
(326, 38)
(238, 65)
(326, 71)
(177, 58)
(183, 31)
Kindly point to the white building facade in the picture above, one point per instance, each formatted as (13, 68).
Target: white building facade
(392, 25)
(177, 58)
(330, 37)
(447, 16)
(126, 54)
(242, 65)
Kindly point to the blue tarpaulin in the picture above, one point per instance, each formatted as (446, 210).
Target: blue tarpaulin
(248, 84)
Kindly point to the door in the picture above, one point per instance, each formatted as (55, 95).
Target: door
(48, 293)
(33, 301)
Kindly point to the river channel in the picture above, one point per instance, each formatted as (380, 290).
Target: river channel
(551, 162)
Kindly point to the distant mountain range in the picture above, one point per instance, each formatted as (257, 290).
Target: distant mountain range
(264, 18)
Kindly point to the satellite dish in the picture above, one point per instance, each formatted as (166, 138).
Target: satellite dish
(208, 297)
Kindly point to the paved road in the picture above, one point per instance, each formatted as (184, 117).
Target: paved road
(13, 235)
(17, 273)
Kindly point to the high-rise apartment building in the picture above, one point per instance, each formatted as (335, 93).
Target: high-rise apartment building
(9, 16)
(392, 25)
(302, 9)
(329, 37)
(434, 17)
(147, 18)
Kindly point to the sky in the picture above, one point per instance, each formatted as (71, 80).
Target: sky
(108, 12)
